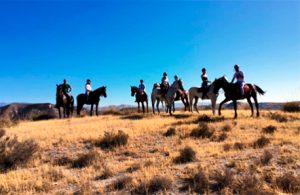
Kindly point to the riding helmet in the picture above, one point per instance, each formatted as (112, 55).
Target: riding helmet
(236, 66)
(203, 69)
(165, 74)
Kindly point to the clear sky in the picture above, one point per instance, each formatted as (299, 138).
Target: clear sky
(117, 43)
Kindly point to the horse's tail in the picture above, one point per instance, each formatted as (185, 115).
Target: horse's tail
(259, 90)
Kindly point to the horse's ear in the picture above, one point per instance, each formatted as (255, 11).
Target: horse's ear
(56, 85)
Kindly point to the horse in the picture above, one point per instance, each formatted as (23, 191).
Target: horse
(156, 96)
(93, 98)
(182, 95)
(232, 92)
(196, 93)
(62, 101)
(140, 97)
(171, 95)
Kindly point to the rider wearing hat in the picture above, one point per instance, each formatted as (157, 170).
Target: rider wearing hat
(239, 76)
(88, 88)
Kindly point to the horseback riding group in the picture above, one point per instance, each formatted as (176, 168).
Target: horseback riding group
(167, 93)
(65, 100)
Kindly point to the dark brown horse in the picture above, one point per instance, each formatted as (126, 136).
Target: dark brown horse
(232, 92)
(182, 95)
(62, 101)
(94, 98)
(140, 97)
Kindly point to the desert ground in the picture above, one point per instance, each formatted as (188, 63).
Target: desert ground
(130, 153)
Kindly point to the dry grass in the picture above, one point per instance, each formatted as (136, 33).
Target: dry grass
(141, 158)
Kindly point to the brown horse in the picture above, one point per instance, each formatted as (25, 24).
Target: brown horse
(232, 92)
(140, 97)
(94, 98)
(62, 101)
(182, 95)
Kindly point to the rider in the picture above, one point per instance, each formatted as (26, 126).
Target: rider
(239, 76)
(88, 88)
(205, 82)
(142, 87)
(66, 88)
(164, 84)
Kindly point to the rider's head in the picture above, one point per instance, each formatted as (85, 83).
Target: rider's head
(88, 81)
(65, 81)
(165, 74)
(141, 81)
(203, 70)
(176, 77)
(236, 67)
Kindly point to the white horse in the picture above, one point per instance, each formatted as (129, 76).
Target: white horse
(196, 93)
(171, 95)
(156, 96)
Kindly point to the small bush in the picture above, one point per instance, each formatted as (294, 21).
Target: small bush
(186, 155)
(239, 146)
(291, 107)
(170, 132)
(85, 160)
(202, 131)
(222, 137)
(197, 182)
(107, 173)
(226, 147)
(112, 140)
(278, 117)
(221, 178)
(120, 183)
(134, 167)
(270, 129)
(226, 128)
(261, 142)
(248, 184)
(289, 183)
(156, 184)
(205, 118)
(266, 157)
(14, 152)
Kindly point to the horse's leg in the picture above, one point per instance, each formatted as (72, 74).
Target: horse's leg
(143, 107)
(147, 106)
(250, 104)
(157, 105)
(97, 108)
(79, 107)
(235, 108)
(173, 105)
(191, 103)
(256, 104)
(153, 102)
(92, 107)
(59, 113)
(138, 106)
(221, 104)
(213, 104)
(195, 104)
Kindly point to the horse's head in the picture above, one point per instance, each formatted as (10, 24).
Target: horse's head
(133, 91)
(156, 85)
(219, 83)
(59, 90)
(104, 91)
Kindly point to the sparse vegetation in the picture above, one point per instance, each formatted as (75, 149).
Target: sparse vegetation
(67, 145)
(112, 140)
(156, 184)
(278, 117)
(14, 152)
(170, 132)
(289, 183)
(291, 107)
(206, 118)
(202, 131)
(186, 155)
(261, 142)
(270, 129)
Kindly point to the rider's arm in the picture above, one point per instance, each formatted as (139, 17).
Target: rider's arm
(233, 78)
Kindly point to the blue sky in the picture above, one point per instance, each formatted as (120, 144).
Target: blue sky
(116, 43)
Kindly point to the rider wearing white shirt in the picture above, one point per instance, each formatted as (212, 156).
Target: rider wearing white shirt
(88, 88)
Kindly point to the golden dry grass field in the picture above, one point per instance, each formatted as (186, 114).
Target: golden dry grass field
(146, 154)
